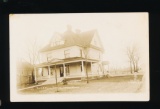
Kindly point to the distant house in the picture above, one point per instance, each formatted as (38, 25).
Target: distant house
(24, 73)
(68, 51)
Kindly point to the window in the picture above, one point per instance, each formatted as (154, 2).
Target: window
(55, 43)
(61, 71)
(42, 72)
(67, 70)
(67, 53)
(81, 67)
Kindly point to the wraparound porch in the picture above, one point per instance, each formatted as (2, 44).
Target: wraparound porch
(67, 69)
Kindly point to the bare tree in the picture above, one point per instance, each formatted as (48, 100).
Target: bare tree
(133, 56)
(86, 51)
(136, 62)
(32, 51)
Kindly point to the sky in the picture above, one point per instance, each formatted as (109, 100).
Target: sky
(117, 31)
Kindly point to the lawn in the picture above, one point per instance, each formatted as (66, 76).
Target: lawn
(123, 84)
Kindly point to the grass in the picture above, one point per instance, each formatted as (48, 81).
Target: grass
(123, 84)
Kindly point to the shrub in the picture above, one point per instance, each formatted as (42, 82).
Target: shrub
(64, 82)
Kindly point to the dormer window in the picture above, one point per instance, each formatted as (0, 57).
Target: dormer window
(56, 43)
(67, 53)
(57, 40)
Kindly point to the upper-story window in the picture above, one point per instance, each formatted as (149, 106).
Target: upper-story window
(67, 53)
(55, 43)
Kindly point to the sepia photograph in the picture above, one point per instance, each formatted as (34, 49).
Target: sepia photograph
(79, 57)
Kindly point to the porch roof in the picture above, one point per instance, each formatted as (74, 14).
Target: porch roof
(62, 61)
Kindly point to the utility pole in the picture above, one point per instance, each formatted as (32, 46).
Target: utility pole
(56, 78)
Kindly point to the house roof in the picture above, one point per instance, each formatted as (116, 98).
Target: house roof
(71, 38)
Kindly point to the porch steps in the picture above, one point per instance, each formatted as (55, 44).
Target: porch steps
(52, 81)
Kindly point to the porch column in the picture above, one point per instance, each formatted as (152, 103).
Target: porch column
(64, 70)
(35, 76)
(49, 71)
(91, 68)
(83, 74)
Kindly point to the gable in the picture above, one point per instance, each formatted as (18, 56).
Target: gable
(56, 40)
(69, 38)
(96, 41)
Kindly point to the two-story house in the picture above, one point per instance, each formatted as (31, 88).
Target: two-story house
(70, 53)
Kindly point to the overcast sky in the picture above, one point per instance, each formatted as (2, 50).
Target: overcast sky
(116, 31)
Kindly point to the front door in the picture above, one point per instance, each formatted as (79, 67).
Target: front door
(61, 71)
